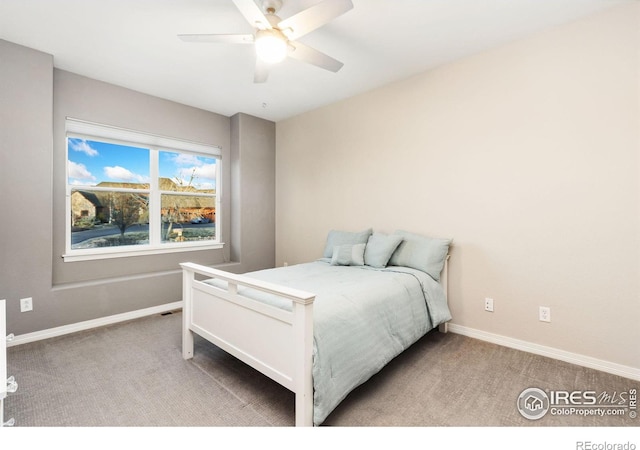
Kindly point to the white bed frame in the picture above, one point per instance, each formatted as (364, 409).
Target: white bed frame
(7, 385)
(3, 359)
(276, 342)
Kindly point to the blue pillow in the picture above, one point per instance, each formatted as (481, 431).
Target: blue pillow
(348, 255)
(379, 249)
(421, 253)
(336, 238)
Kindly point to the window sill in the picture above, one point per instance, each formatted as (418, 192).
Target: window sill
(89, 255)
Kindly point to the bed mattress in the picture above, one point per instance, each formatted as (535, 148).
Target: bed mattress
(363, 318)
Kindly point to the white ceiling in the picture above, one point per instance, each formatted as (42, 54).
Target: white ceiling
(133, 43)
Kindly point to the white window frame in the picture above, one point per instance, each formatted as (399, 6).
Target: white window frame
(76, 128)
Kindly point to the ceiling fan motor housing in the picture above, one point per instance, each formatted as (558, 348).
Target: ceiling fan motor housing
(271, 6)
(271, 45)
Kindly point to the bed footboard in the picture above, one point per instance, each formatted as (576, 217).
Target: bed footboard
(274, 341)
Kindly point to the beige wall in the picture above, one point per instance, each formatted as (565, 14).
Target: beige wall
(526, 155)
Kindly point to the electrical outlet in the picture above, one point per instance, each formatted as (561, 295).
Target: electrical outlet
(26, 304)
(488, 304)
(545, 314)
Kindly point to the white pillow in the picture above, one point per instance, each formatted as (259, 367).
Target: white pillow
(421, 253)
(348, 255)
(379, 249)
(336, 237)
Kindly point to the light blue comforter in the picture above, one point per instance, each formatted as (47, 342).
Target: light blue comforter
(363, 318)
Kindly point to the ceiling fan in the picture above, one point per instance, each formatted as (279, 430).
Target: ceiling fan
(275, 39)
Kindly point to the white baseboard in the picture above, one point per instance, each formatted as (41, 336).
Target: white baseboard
(89, 324)
(550, 352)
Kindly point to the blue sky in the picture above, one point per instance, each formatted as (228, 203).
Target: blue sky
(92, 162)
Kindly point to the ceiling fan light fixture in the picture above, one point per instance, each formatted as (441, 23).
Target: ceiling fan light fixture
(271, 46)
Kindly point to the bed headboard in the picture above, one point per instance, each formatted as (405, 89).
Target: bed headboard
(444, 281)
(444, 276)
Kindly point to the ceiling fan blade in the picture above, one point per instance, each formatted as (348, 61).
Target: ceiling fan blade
(262, 71)
(310, 55)
(218, 38)
(313, 17)
(253, 14)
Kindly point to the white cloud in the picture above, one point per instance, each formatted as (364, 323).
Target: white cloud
(80, 145)
(185, 159)
(207, 171)
(204, 175)
(81, 183)
(79, 172)
(122, 174)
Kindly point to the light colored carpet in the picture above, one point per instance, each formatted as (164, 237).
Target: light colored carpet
(132, 374)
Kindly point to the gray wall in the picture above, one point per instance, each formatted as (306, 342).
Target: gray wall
(36, 99)
(26, 93)
(253, 186)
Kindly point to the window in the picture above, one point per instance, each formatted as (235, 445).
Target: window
(131, 193)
